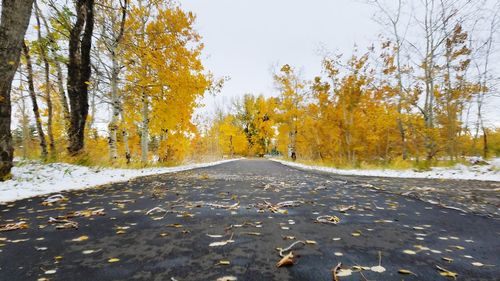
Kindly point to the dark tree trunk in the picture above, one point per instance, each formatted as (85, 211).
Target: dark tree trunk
(13, 24)
(34, 102)
(485, 143)
(79, 71)
(43, 55)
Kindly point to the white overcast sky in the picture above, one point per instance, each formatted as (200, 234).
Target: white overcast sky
(244, 39)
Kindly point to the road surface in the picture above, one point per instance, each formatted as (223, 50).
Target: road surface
(227, 222)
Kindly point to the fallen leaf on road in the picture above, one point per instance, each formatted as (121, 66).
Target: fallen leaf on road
(80, 239)
(377, 268)
(63, 223)
(356, 233)
(344, 272)
(406, 271)
(88, 252)
(449, 260)
(50, 271)
(286, 260)
(410, 252)
(227, 278)
(175, 225)
(13, 226)
(111, 260)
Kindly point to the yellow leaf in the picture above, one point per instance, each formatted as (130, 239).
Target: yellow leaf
(111, 260)
(286, 260)
(405, 271)
(81, 238)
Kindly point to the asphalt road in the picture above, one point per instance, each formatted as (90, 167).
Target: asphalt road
(236, 204)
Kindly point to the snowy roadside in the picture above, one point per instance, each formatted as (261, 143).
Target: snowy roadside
(488, 172)
(33, 179)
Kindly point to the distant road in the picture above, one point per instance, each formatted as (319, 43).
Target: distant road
(228, 220)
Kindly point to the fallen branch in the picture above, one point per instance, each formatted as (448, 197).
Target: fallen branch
(335, 270)
(446, 273)
(54, 199)
(277, 208)
(222, 243)
(289, 204)
(281, 251)
(221, 206)
(63, 224)
(83, 213)
(328, 219)
(157, 210)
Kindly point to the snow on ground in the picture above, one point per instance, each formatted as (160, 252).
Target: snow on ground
(490, 172)
(33, 179)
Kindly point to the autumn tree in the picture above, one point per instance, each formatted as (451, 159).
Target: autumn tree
(13, 24)
(290, 100)
(34, 101)
(79, 71)
(164, 71)
(111, 18)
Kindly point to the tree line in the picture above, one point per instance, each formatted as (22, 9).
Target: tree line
(418, 93)
(140, 60)
(419, 98)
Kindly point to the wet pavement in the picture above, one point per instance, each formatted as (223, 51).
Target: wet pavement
(226, 223)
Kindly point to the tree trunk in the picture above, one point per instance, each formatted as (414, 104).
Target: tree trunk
(115, 98)
(145, 129)
(48, 99)
(25, 123)
(115, 109)
(57, 64)
(485, 142)
(62, 94)
(79, 71)
(13, 23)
(128, 156)
(36, 111)
(231, 146)
(50, 111)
